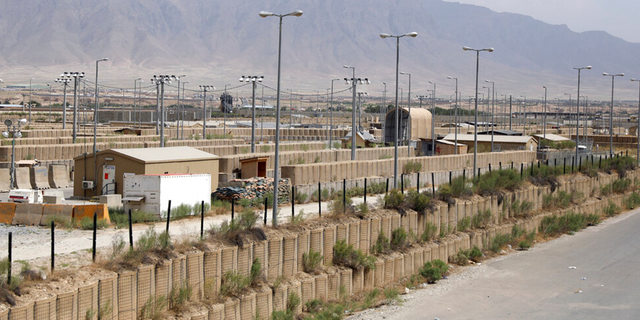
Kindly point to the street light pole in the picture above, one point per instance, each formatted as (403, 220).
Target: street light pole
(178, 113)
(182, 113)
(395, 134)
(331, 115)
(354, 82)
(30, 99)
(50, 88)
(578, 111)
(455, 117)
(161, 80)
(475, 129)
(409, 122)
(638, 128)
(610, 110)
(65, 82)
(14, 131)
(253, 80)
(276, 168)
(360, 94)
(383, 113)
(139, 103)
(544, 121)
(493, 106)
(204, 109)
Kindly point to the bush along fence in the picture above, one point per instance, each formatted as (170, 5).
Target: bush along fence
(267, 270)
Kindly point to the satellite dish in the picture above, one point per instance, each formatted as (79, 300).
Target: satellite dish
(8, 122)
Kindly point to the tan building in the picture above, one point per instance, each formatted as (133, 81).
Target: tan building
(500, 143)
(418, 127)
(113, 164)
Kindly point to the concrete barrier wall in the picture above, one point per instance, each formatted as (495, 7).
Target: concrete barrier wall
(5, 180)
(37, 213)
(305, 174)
(39, 177)
(130, 289)
(23, 178)
(59, 176)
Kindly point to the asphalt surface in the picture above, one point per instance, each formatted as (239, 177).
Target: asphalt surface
(594, 274)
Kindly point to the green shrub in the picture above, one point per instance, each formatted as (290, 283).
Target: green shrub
(412, 166)
(255, 274)
(463, 224)
(491, 182)
(233, 283)
(179, 296)
(362, 208)
(463, 256)
(430, 232)
(197, 208)
(345, 255)
(391, 294)
(312, 262)
(382, 244)
(121, 219)
(611, 209)
(394, 199)
(182, 211)
(620, 185)
(376, 188)
(434, 270)
(86, 223)
(301, 197)
(418, 201)
(482, 219)
(445, 230)
(355, 192)
(632, 201)
(499, 241)
(399, 239)
(570, 222)
(337, 207)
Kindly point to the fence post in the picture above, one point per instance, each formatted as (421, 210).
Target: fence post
(202, 220)
(532, 168)
(130, 231)
(53, 245)
(9, 257)
(233, 208)
(386, 188)
(511, 165)
(600, 161)
(168, 216)
(464, 174)
(573, 161)
(95, 228)
(365, 190)
(489, 167)
(320, 199)
(265, 210)
(433, 184)
(293, 200)
(402, 183)
(500, 165)
(418, 183)
(521, 168)
(478, 173)
(344, 196)
(580, 165)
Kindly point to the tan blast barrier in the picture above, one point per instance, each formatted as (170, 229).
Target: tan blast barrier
(195, 275)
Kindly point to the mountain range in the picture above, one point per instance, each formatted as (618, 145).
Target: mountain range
(215, 42)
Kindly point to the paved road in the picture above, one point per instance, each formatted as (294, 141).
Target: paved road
(540, 284)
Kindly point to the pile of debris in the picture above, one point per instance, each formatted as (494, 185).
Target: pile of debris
(253, 188)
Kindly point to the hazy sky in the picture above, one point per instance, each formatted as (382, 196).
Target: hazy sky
(617, 17)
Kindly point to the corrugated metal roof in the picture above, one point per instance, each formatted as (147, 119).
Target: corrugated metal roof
(487, 138)
(165, 154)
(552, 137)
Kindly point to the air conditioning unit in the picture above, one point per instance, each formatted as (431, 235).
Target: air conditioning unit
(87, 185)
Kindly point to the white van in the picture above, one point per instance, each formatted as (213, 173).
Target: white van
(26, 196)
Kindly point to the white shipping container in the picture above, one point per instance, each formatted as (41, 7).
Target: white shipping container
(151, 193)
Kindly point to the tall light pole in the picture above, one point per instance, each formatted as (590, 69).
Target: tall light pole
(224, 111)
(331, 115)
(395, 134)
(161, 80)
(578, 112)
(613, 76)
(354, 82)
(13, 130)
(30, 99)
(65, 82)
(50, 88)
(383, 112)
(276, 168)
(475, 129)
(544, 121)
(76, 78)
(139, 102)
(455, 116)
(182, 113)
(523, 112)
(360, 94)
(638, 128)
(178, 113)
(433, 118)
(493, 107)
(204, 109)
(409, 122)
(253, 80)
(585, 132)
(95, 112)
(569, 94)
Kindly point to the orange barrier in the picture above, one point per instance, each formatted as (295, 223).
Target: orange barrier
(7, 211)
(83, 211)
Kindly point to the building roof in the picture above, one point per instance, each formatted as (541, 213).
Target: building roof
(451, 143)
(487, 138)
(159, 155)
(551, 137)
(364, 135)
(504, 132)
